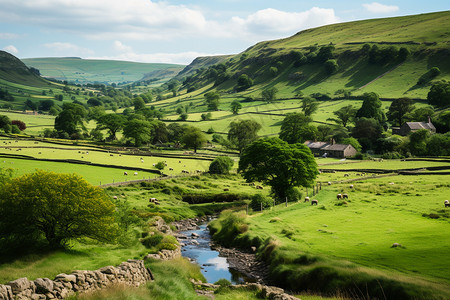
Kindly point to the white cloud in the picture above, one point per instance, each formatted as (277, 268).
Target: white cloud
(131, 19)
(146, 19)
(68, 49)
(120, 47)
(378, 8)
(275, 21)
(11, 49)
(8, 36)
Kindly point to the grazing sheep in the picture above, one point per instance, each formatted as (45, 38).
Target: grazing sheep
(125, 173)
(142, 160)
(153, 200)
(170, 169)
(329, 182)
(135, 173)
(226, 190)
(258, 187)
(314, 202)
(351, 186)
(306, 199)
(339, 196)
(346, 175)
(111, 155)
(447, 203)
(154, 164)
(198, 171)
(344, 196)
(115, 197)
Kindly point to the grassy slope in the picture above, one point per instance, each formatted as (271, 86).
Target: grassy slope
(89, 70)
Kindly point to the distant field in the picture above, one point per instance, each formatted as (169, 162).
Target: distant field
(88, 70)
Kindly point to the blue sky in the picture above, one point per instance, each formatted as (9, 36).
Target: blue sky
(173, 31)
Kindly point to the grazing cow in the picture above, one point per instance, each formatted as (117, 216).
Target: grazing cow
(339, 196)
(447, 203)
(306, 199)
(170, 169)
(344, 196)
(314, 202)
(125, 173)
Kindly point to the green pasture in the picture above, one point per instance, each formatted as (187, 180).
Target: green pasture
(386, 164)
(92, 174)
(361, 230)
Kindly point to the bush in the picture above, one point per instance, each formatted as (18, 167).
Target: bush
(294, 194)
(152, 240)
(221, 165)
(259, 200)
(167, 246)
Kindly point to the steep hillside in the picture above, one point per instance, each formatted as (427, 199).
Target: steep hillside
(15, 71)
(77, 70)
(386, 56)
(203, 62)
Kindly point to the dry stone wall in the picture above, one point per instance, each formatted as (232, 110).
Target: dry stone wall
(132, 273)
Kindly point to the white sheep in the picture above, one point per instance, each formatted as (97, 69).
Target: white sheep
(135, 173)
(306, 199)
(447, 203)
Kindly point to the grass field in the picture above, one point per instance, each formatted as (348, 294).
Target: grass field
(87, 70)
(356, 235)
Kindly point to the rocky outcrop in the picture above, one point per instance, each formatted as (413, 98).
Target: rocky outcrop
(165, 254)
(132, 273)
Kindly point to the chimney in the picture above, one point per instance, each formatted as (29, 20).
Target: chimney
(429, 120)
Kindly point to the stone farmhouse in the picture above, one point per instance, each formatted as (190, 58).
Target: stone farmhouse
(331, 149)
(409, 127)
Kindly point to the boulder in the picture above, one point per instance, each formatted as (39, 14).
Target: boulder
(66, 278)
(43, 285)
(20, 285)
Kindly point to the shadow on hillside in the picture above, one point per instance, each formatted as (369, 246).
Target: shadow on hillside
(363, 73)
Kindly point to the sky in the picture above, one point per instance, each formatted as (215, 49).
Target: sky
(174, 31)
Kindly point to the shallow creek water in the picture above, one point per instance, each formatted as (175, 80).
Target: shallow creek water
(213, 266)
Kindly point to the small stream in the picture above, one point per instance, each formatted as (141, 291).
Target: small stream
(213, 266)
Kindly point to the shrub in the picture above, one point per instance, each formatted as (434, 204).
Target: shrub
(221, 165)
(167, 246)
(152, 240)
(259, 200)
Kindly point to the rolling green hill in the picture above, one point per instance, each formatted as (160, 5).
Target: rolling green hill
(77, 70)
(295, 65)
(15, 71)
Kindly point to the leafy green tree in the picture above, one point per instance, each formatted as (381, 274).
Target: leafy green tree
(207, 116)
(160, 132)
(420, 114)
(371, 108)
(367, 131)
(160, 165)
(193, 137)
(183, 117)
(235, 107)
(295, 128)
(139, 130)
(269, 94)
(281, 165)
(60, 207)
(221, 165)
(439, 94)
(439, 145)
(442, 121)
(5, 123)
(30, 105)
(403, 54)
(243, 83)
(45, 105)
(418, 142)
(111, 122)
(71, 118)
(212, 100)
(344, 115)
(398, 109)
(139, 103)
(242, 133)
(175, 131)
(325, 53)
(309, 106)
(331, 66)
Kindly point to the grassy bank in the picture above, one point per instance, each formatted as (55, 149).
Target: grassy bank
(346, 245)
